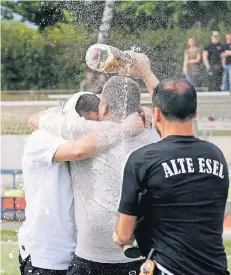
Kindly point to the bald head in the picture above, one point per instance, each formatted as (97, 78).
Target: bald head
(176, 99)
(122, 96)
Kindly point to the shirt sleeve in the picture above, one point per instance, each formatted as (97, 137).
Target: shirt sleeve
(223, 48)
(133, 178)
(75, 128)
(51, 122)
(41, 147)
(206, 48)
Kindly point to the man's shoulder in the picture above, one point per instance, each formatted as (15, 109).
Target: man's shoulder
(227, 46)
(208, 46)
(212, 147)
(150, 147)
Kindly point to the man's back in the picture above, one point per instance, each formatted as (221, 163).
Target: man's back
(97, 191)
(48, 234)
(188, 180)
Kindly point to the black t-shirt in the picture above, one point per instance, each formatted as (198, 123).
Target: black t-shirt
(214, 51)
(227, 47)
(188, 182)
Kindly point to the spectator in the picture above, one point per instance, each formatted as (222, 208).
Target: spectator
(226, 85)
(192, 57)
(88, 83)
(213, 62)
(100, 83)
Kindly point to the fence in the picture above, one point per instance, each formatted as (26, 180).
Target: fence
(12, 205)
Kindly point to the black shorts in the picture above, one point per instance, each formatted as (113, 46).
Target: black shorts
(26, 268)
(81, 266)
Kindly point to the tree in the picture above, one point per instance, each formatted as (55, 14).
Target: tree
(129, 15)
(184, 14)
(106, 22)
(42, 13)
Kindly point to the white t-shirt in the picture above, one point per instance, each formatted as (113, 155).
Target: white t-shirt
(97, 185)
(48, 235)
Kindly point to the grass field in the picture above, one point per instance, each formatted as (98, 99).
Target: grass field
(9, 253)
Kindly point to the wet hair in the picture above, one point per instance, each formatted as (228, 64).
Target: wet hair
(176, 99)
(122, 95)
(87, 103)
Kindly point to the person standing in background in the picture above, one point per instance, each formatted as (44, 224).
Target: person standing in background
(226, 85)
(192, 57)
(213, 62)
(88, 83)
(100, 83)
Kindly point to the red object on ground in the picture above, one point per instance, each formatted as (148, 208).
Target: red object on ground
(210, 118)
(11, 203)
(227, 223)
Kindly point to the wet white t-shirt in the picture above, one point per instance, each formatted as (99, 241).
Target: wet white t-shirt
(48, 234)
(97, 184)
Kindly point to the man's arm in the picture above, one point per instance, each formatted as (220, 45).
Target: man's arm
(185, 63)
(97, 142)
(134, 175)
(33, 121)
(206, 59)
(142, 70)
(151, 81)
(228, 53)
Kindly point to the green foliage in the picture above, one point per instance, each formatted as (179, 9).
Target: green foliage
(55, 58)
(183, 14)
(129, 15)
(52, 60)
(42, 13)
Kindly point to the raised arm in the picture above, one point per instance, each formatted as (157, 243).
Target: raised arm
(142, 70)
(97, 142)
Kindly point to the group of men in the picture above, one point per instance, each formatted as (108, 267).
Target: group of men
(88, 166)
(217, 61)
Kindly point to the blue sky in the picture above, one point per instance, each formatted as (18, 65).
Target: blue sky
(19, 17)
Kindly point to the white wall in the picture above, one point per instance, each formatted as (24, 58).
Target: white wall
(11, 156)
(12, 151)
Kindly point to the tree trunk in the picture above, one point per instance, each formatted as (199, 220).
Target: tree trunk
(106, 22)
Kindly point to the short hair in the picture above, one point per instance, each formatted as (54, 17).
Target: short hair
(122, 94)
(176, 99)
(87, 103)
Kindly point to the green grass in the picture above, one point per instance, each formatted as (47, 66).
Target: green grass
(9, 259)
(9, 253)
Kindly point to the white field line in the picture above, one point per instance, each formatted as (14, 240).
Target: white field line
(10, 243)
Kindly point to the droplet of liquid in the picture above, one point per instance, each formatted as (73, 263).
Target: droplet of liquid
(11, 256)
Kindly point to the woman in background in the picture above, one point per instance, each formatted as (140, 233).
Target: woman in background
(192, 58)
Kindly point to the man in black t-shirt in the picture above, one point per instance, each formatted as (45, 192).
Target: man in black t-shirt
(213, 62)
(226, 86)
(187, 183)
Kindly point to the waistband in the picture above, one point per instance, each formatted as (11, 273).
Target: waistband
(106, 265)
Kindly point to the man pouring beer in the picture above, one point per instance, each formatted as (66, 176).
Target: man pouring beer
(185, 181)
